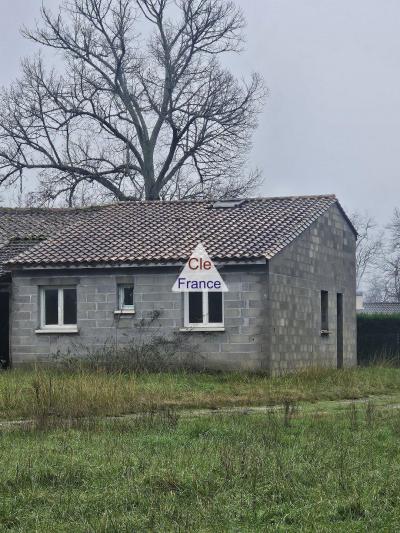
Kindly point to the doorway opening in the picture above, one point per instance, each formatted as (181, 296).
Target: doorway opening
(4, 329)
(339, 329)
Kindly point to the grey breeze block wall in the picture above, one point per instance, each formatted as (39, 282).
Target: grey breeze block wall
(241, 346)
(322, 258)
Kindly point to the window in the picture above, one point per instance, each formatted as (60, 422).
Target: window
(58, 308)
(324, 312)
(204, 310)
(126, 298)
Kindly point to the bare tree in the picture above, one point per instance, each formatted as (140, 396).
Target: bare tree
(369, 245)
(142, 109)
(384, 284)
(390, 266)
(376, 290)
(394, 228)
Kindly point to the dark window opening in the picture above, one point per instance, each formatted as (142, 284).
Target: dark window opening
(339, 310)
(324, 311)
(51, 307)
(4, 329)
(128, 296)
(195, 307)
(215, 307)
(59, 306)
(70, 308)
(126, 300)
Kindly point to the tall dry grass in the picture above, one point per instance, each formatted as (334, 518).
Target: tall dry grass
(83, 392)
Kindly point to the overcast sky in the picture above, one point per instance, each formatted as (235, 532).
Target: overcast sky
(332, 121)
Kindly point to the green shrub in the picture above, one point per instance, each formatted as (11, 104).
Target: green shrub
(378, 338)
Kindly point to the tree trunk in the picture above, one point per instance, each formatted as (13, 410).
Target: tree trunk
(151, 190)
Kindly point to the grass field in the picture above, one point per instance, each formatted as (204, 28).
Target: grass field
(317, 464)
(26, 394)
(336, 472)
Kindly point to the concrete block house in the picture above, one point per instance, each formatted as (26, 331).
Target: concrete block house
(75, 279)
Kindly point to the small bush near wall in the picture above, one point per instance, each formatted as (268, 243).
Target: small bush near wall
(158, 354)
(146, 351)
(378, 338)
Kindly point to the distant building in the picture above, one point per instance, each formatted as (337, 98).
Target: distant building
(381, 308)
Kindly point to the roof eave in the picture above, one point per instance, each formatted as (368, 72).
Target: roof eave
(132, 264)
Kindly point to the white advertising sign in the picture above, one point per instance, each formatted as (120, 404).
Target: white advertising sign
(199, 274)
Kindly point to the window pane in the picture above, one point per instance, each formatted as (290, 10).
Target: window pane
(195, 307)
(70, 306)
(51, 307)
(215, 307)
(128, 296)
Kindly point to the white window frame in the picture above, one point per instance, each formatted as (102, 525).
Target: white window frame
(60, 327)
(122, 308)
(205, 325)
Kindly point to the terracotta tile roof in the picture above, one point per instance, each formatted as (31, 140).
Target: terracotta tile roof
(12, 249)
(160, 232)
(20, 229)
(23, 223)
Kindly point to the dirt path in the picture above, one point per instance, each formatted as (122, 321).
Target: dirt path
(323, 407)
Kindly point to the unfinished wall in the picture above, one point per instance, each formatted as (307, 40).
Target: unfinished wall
(322, 258)
(240, 346)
